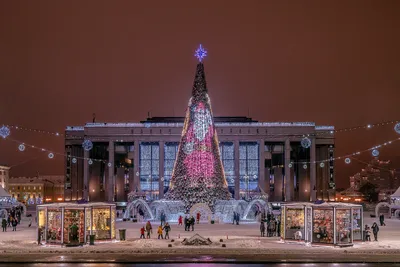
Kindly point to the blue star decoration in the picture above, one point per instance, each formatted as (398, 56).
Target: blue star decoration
(200, 53)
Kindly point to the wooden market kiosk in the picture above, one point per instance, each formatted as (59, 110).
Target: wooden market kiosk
(327, 223)
(72, 223)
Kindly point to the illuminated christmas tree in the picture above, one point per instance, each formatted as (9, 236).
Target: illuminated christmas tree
(198, 175)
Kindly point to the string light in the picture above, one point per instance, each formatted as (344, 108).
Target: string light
(387, 143)
(347, 129)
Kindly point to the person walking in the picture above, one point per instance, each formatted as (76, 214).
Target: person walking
(382, 220)
(142, 230)
(163, 218)
(192, 221)
(186, 223)
(160, 232)
(367, 233)
(198, 215)
(262, 229)
(375, 230)
(14, 224)
(148, 229)
(180, 220)
(30, 222)
(167, 229)
(4, 225)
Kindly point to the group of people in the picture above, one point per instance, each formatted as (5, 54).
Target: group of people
(160, 231)
(374, 229)
(271, 224)
(13, 219)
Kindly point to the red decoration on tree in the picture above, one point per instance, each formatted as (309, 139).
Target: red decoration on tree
(198, 175)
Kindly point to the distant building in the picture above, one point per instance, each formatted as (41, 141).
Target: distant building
(4, 175)
(37, 190)
(377, 172)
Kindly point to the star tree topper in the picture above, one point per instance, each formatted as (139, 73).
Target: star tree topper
(200, 53)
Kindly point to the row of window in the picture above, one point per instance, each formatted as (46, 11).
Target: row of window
(24, 187)
(149, 161)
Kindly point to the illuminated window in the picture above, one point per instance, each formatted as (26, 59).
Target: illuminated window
(227, 150)
(248, 165)
(149, 166)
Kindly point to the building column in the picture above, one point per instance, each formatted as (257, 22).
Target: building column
(237, 173)
(136, 169)
(86, 175)
(111, 183)
(313, 178)
(161, 171)
(288, 177)
(261, 167)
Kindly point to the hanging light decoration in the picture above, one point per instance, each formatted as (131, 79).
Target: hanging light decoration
(4, 131)
(21, 147)
(51, 155)
(375, 152)
(74, 160)
(305, 166)
(87, 145)
(290, 165)
(90, 161)
(397, 128)
(347, 160)
(109, 164)
(322, 164)
(306, 142)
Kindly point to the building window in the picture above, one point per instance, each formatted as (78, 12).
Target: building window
(248, 166)
(34, 188)
(149, 167)
(227, 150)
(170, 152)
(18, 187)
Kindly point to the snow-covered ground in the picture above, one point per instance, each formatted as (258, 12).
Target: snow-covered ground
(237, 237)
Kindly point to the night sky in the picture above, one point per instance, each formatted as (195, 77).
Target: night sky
(331, 62)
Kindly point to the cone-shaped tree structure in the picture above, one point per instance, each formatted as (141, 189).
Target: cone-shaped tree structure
(198, 175)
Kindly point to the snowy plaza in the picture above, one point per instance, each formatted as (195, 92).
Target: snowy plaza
(241, 241)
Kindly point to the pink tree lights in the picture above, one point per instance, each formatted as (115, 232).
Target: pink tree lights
(198, 175)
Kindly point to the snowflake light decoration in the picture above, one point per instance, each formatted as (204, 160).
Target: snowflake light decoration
(21, 147)
(90, 161)
(290, 165)
(347, 160)
(397, 128)
(375, 152)
(87, 145)
(305, 166)
(200, 53)
(4, 131)
(51, 155)
(322, 164)
(74, 160)
(306, 142)
(109, 164)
